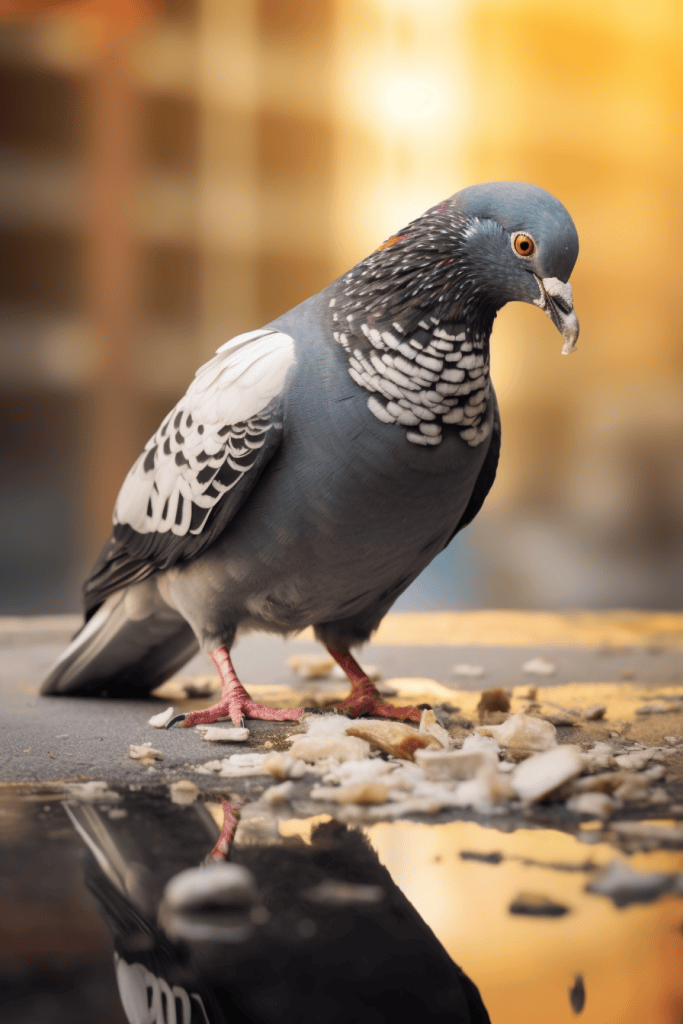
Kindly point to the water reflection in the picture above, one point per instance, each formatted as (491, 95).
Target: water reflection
(310, 920)
(285, 929)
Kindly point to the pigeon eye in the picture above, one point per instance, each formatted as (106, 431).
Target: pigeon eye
(523, 245)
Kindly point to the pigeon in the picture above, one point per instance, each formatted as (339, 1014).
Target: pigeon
(317, 465)
(282, 930)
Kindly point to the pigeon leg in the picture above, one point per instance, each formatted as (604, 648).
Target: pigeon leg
(365, 698)
(230, 813)
(235, 702)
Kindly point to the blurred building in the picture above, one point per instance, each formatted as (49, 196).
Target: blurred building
(172, 176)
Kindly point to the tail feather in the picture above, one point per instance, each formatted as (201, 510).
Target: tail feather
(121, 655)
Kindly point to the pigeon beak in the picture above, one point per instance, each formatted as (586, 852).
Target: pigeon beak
(557, 301)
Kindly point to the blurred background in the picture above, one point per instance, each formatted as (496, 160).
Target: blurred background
(173, 172)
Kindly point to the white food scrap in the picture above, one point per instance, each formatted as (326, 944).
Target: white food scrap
(543, 773)
(161, 720)
(539, 667)
(522, 732)
(395, 738)
(93, 792)
(310, 666)
(183, 792)
(431, 727)
(469, 671)
(223, 734)
(144, 754)
(326, 738)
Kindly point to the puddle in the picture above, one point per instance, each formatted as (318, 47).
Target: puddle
(315, 928)
(524, 966)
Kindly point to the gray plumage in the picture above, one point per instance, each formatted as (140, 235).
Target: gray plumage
(315, 467)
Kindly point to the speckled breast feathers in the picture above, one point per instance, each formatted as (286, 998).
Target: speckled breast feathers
(416, 336)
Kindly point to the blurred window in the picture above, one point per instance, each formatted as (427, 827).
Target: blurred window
(179, 10)
(170, 132)
(170, 283)
(43, 269)
(285, 280)
(292, 147)
(40, 112)
(298, 20)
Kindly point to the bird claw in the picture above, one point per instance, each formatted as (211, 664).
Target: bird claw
(176, 718)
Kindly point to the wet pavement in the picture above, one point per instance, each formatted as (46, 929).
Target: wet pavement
(549, 915)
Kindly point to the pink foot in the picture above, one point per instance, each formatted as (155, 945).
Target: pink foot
(235, 702)
(230, 817)
(364, 698)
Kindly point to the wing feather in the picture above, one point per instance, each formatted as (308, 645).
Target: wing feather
(200, 465)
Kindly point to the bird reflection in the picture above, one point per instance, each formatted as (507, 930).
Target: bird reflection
(264, 928)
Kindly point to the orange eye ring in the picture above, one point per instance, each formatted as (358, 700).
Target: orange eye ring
(523, 245)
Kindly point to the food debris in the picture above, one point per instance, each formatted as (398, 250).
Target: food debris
(201, 686)
(311, 666)
(577, 994)
(529, 693)
(235, 766)
(430, 726)
(562, 718)
(511, 760)
(522, 732)
(646, 835)
(655, 709)
(184, 687)
(93, 792)
(638, 759)
(536, 905)
(474, 742)
(372, 672)
(280, 794)
(161, 720)
(284, 766)
(326, 736)
(625, 886)
(539, 667)
(393, 737)
(482, 858)
(493, 706)
(594, 712)
(418, 690)
(183, 792)
(470, 671)
(449, 765)
(144, 754)
(376, 792)
(594, 804)
(599, 757)
(223, 734)
(543, 773)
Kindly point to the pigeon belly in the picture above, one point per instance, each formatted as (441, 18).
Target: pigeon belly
(348, 512)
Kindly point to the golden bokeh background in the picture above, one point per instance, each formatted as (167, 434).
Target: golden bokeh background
(175, 172)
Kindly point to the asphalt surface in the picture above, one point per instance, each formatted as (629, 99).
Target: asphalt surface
(50, 738)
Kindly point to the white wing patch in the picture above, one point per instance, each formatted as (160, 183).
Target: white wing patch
(148, 999)
(210, 439)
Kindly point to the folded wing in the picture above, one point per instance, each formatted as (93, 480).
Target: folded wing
(199, 467)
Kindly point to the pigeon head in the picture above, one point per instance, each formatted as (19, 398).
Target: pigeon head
(465, 258)
(523, 243)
